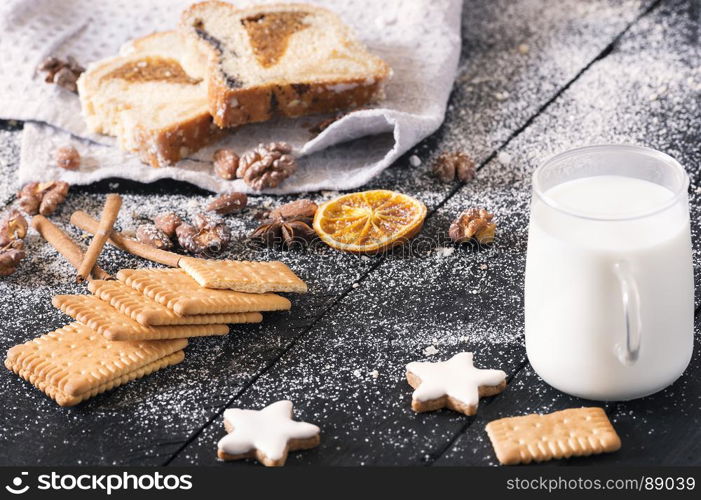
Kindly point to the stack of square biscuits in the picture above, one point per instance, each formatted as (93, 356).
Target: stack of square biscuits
(141, 322)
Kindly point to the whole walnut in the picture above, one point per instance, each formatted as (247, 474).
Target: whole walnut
(226, 162)
(450, 166)
(473, 223)
(267, 165)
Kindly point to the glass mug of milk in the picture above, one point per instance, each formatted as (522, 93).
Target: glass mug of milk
(609, 299)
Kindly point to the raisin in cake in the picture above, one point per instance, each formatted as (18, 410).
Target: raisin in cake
(287, 59)
(148, 100)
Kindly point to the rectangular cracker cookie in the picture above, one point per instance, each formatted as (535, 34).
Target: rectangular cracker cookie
(147, 311)
(176, 290)
(75, 363)
(105, 319)
(243, 276)
(562, 434)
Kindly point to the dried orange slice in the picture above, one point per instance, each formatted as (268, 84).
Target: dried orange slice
(370, 221)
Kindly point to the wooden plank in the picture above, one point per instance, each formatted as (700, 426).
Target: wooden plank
(661, 429)
(367, 423)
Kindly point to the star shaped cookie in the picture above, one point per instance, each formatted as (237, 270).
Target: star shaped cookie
(266, 435)
(454, 384)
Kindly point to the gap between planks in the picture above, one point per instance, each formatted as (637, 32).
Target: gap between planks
(483, 164)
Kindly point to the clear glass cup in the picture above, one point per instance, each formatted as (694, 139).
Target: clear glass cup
(609, 294)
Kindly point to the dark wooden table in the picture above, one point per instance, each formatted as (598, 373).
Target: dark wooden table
(586, 72)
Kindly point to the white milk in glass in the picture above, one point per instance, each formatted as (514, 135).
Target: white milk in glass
(575, 315)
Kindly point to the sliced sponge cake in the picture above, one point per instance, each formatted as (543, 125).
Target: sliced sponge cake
(148, 100)
(287, 59)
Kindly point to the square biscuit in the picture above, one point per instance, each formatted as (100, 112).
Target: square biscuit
(105, 319)
(562, 434)
(243, 276)
(148, 312)
(176, 290)
(75, 363)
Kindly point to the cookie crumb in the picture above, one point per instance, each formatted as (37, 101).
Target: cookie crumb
(374, 374)
(443, 252)
(430, 350)
(504, 158)
(524, 49)
(355, 285)
(501, 96)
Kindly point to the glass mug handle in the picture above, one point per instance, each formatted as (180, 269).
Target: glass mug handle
(628, 350)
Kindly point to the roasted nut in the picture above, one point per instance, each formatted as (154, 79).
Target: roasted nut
(214, 235)
(186, 234)
(65, 78)
(450, 166)
(42, 197)
(267, 165)
(168, 223)
(151, 235)
(473, 223)
(10, 257)
(68, 158)
(13, 226)
(53, 197)
(208, 236)
(303, 208)
(228, 203)
(63, 73)
(226, 162)
(29, 198)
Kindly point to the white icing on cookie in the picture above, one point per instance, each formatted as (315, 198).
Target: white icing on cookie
(457, 378)
(267, 430)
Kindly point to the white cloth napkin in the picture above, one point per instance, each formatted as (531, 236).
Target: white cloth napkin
(420, 39)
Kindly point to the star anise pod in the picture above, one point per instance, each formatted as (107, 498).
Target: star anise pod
(288, 225)
(286, 233)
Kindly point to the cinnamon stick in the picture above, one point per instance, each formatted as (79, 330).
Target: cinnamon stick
(109, 214)
(85, 222)
(64, 244)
